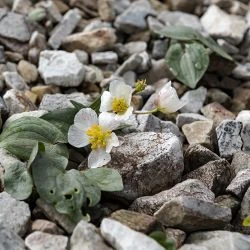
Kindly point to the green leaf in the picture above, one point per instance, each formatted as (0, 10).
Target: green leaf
(21, 135)
(18, 181)
(78, 105)
(246, 221)
(188, 64)
(161, 238)
(106, 179)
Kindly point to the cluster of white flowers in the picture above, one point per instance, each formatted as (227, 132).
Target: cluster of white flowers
(115, 110)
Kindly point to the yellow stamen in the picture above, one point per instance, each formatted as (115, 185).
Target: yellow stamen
(119, 105)
(98, 136)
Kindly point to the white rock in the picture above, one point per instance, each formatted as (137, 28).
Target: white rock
(107, 57)
(244, 117)
(121, 237)
(222, 25)
(61, 68)
(15, 81)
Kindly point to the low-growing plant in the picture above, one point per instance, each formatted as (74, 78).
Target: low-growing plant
(187, 56)
(162, 239)
(246, 221)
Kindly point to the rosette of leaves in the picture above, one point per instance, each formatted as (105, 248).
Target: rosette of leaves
(187, 56)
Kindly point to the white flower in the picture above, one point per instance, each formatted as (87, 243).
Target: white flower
(89, 129)
(117, 101)
(167, 100)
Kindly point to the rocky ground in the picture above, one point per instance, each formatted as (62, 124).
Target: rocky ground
(187, 174)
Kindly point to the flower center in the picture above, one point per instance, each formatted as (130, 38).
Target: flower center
(98, 136)
(119, 106)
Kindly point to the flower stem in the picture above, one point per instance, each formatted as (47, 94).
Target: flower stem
(146, 112)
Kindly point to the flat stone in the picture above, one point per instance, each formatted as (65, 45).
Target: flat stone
(194, 100)
(87, 237)
(21, 6)
(187, 118)
(241, 161)
(133, 19)
(228, 201)
(52, 11)
(135, 47)
(52, 102)
(14, 81)
(217, 113)
(201, 132)
(196, 156)
(41, 241)
(122, 237)
(106, 10)
(28, 71)
(217, 240)
(64, 28)
(216, 95)
(10, 240)
(159, 49)
(240, 183)
(46, 226)
(143, 156)
(14, 214)
(190, 214)
(108, 57)
(137, 221)
(216, 175)
(92, 41)
(121, 6)
(192, 187)
(60, 68)
(177, 235)
(214, 21)
(228, 136)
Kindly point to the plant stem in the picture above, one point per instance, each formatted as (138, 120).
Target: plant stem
(146, 112)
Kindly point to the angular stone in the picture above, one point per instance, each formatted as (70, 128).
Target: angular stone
(217, 240)
(216, 95)
(133, 19)
(194, 100)
(146, 63)
(45, 226)
(245, 136)
(242, 71)
(241, 161)
(108, 57)
(217, 113)
(41, 241)
(159, 49)
(214, 23)
(61, 68)
(41, 90)
(97, 40)
(190, 214)
(228, 136)
(14, 81)
(183, 5)
(228, 201)
(135, 47)
(196, 156)
(52, 11)
(61, 101)
(177, 235)
(122, 237)
(28, 71)
(15, 215)
(201, 132)
(241, 95)
(245, 205)
(143, 156)
(10, 240)
(240, 183)
(64, 28)
(243, 116)
(137, 221)
(106, 10)
(187, 118)
(87, 237)
(21, 6)
(216, 175)
(193, 188)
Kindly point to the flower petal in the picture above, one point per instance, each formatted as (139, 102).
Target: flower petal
(98, 158)
(106, 102)
(126, 115)
(85, 118)
(109, 121)
(77, 137)
(112, 142)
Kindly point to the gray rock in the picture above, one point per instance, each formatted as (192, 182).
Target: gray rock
(123, 238)
(229, 48)
(61, 68)
(242, 71)
(159, 49)
(14, 81)
(217, 240)
(245, 205)
(241, 161)
(216, 95)
(108, 57)
(240, 183)
(177, 235)
(14, 214)
(82, 56)
(147, 154)
(64, 28)
(214, 23)
(41, 241)
(121, 6)
(245, 136)
(228, 136)
(183, 5)
(145, 64)
(13, 26)
(216, 175)
(52, 11)
(196, 156)
(130, 78)
(194, 100)
(86, 237)
(187, 118)
(135, 47)
(93, 74)
(190, 214)
(10, 240)
(243, 116)
(46, 226)
(96, 24)
(193, 188)
(133, 19)
(21, 6)
(228, 201)
(154, 24)
(61, 101)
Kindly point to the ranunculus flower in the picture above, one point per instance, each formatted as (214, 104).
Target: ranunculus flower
(89, 129)
(117, 101)
(167, 100)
